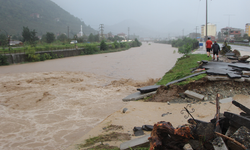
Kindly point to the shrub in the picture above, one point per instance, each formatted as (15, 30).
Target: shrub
(42, 57)
(54, 56)
(47, 56)
(103, 46)
(3, 60)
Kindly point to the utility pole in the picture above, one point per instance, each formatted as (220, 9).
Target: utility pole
(206, 22)
(101, 27)
(68, 32)
(229, 18)
(196, 28)
(128, 33)
(183, 33)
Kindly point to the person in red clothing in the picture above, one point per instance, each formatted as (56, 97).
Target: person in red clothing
(208, 46)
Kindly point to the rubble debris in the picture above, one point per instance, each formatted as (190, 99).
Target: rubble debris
(226, 100)
(124, 110)
(243, 58)
(233, 75)
(232, 58)
(164, 114)
(194, 95)
(242, 138)
(155, 87)
(237, 53)
(138, 131)
(201, 135)
(147, 127)
(242, 107)
(139, 142)
(246, 73)
(231, 140)
(230, 54)
(243, 121)
(219, 144)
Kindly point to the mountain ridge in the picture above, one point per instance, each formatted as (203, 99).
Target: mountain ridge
(43, 16)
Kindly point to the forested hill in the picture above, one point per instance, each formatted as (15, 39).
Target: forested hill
(42, 15)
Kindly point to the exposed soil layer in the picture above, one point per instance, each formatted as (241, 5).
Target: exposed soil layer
(205, 87)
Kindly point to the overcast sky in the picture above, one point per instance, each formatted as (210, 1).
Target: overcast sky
(160, 15)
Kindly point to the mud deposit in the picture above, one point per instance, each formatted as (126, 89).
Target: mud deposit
(209, 89)
(51, 110)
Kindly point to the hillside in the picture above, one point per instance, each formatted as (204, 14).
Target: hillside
(41, 15)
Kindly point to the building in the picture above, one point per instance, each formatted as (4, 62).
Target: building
(247, 29)
(231, 32)
(211, 30)
(122, 35)
(195, 35)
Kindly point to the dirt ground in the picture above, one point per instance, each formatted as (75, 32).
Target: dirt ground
(148, 113)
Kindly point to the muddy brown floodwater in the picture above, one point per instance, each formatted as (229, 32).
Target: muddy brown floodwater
(48, 105)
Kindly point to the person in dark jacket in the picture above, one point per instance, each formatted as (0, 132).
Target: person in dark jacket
(216, 50)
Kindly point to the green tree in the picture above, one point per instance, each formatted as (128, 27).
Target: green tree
(91, 38)
(103, 46)
(29, 36)
(245, 36)
(96, 38)
(219, 35)
(3, 40)
(26, 34)
(50, 37)
(62, 37)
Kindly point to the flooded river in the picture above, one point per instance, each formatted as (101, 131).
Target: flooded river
(50, 104)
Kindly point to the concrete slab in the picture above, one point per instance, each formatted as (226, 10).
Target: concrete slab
(226, 100)
(148, 89)
(155, 87)
(233, 75)
(194, 95)
(241, 65)
(137, 96)
(218, 78)
(240, 80)
(245, 72)
(135, 142)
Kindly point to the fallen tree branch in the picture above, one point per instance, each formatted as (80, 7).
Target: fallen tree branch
(226, 137)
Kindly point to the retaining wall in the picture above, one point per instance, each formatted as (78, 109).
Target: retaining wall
(21, 57)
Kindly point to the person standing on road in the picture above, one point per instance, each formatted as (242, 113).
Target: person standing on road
(216, 50)
(208, 46)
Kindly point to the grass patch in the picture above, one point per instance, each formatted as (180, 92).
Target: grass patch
(183, 68)
(112, 127)
(114, 136)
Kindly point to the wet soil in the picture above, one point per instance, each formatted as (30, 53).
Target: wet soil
(209, 89)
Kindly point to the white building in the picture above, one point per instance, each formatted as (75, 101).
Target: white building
(211, 30)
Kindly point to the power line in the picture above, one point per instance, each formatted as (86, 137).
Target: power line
(101, 27)
(229, 15)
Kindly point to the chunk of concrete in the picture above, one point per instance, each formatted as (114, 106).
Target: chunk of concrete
(233, 76)
(240, 80)
(194, 95)
(219, 144)
(242, 136)
(142, 141)
(245, 72)
(217, 78)
(226, 100)
(137, 95)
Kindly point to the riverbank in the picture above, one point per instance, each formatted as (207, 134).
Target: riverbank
(141, 113)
